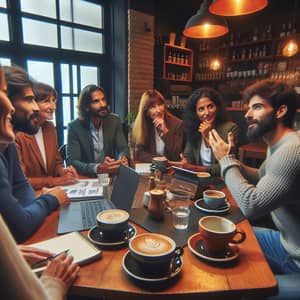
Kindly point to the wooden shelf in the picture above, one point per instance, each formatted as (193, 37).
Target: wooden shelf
(180, 70)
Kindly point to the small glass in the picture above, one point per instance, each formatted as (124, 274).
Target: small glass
(179, 204)
(103, 179)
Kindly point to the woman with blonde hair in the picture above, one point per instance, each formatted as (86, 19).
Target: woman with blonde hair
(156, 132)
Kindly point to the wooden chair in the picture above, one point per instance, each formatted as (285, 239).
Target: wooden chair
(253, 150)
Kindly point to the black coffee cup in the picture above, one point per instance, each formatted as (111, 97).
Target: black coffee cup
(113, 224)
(154, 253)
(160, 163)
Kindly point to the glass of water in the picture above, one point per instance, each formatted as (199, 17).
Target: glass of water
(103, 179)
(179, 203)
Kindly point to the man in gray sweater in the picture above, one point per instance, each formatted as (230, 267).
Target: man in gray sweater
(275, 187)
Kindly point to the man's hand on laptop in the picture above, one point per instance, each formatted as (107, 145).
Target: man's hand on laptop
(58, 193)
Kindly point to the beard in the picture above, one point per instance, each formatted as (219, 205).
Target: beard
(25, 125)
(101, 112)
(262, 127)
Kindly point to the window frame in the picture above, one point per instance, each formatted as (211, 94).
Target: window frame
(19, 52)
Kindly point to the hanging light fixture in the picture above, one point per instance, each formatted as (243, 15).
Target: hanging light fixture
(205, 25)
(236, 7)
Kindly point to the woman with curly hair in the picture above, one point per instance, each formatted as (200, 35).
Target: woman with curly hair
(204, 111)
(156, 132)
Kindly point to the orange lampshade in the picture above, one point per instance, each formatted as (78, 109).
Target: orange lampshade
(205, 25)
(236, 7)
(290, 49)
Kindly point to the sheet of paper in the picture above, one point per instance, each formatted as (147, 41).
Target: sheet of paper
(143, 168)
(84, 188)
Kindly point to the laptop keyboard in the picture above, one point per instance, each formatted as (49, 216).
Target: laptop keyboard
(89, 211)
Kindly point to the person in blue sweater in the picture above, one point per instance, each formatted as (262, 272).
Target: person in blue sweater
(21, 210)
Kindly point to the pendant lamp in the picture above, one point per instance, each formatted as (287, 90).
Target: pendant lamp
(236, 7)
(205, 25)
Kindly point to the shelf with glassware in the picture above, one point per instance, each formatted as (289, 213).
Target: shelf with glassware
(178, 63)
(255, 59)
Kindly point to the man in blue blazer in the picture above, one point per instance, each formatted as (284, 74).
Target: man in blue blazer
(22, 211)
(96, 142)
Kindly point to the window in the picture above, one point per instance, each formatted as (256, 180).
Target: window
(39, 33)
(5, 61)
(4, 32)
(79, 26)
(61, 43)
(74, 79)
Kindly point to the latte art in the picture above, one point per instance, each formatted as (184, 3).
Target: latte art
(112, 216)
(152, 245)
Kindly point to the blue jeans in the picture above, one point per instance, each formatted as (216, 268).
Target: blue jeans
(286, 271)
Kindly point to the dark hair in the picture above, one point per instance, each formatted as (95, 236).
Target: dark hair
(191, 121)
(16, 79)
(277, 93)
(43, 91)
(85, 100)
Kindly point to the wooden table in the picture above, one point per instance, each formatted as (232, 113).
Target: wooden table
(198, 280)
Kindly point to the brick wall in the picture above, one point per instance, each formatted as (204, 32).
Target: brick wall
(140, 56)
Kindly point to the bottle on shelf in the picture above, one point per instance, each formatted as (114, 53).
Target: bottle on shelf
(255, 35)
(283, 31)
(269, 32)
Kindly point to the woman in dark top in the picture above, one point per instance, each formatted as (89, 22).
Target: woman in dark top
(204, 111)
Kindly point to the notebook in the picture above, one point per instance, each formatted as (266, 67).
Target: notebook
(81, 215)
(77, 245)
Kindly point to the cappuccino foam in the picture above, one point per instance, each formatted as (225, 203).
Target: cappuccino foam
(152, 245)
(113, 216)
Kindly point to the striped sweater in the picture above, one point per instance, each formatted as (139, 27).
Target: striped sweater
(273, 188)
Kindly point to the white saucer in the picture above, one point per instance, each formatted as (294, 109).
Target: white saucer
(196, 247)
(129, 266)
(200, 204)
(95, 237)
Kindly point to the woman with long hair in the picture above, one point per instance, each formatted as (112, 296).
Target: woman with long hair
(204, 111)
(156, 132)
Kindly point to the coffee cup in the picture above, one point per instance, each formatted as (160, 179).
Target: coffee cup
(160, 163)
(213, 198)
(113, 224)
(217, 232)
(154, 253)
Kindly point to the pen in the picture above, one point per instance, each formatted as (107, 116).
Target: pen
(43, 261)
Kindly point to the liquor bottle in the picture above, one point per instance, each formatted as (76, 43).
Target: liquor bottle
(283, 33)
(289, 29)
(250, 53)
(170, 56)
(255, 35)
(269, 32)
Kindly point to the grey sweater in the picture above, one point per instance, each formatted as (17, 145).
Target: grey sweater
(273, 188)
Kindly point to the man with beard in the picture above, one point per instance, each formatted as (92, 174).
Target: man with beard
(21, 210)
(96, 143)
(275, 187)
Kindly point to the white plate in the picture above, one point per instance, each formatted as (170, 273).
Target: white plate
(128, 265)
(195, 246)
(203, 207)
(95, 237)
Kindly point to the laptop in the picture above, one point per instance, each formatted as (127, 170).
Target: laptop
(81, 215)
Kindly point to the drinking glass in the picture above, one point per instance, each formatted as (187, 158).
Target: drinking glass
(179, 203)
